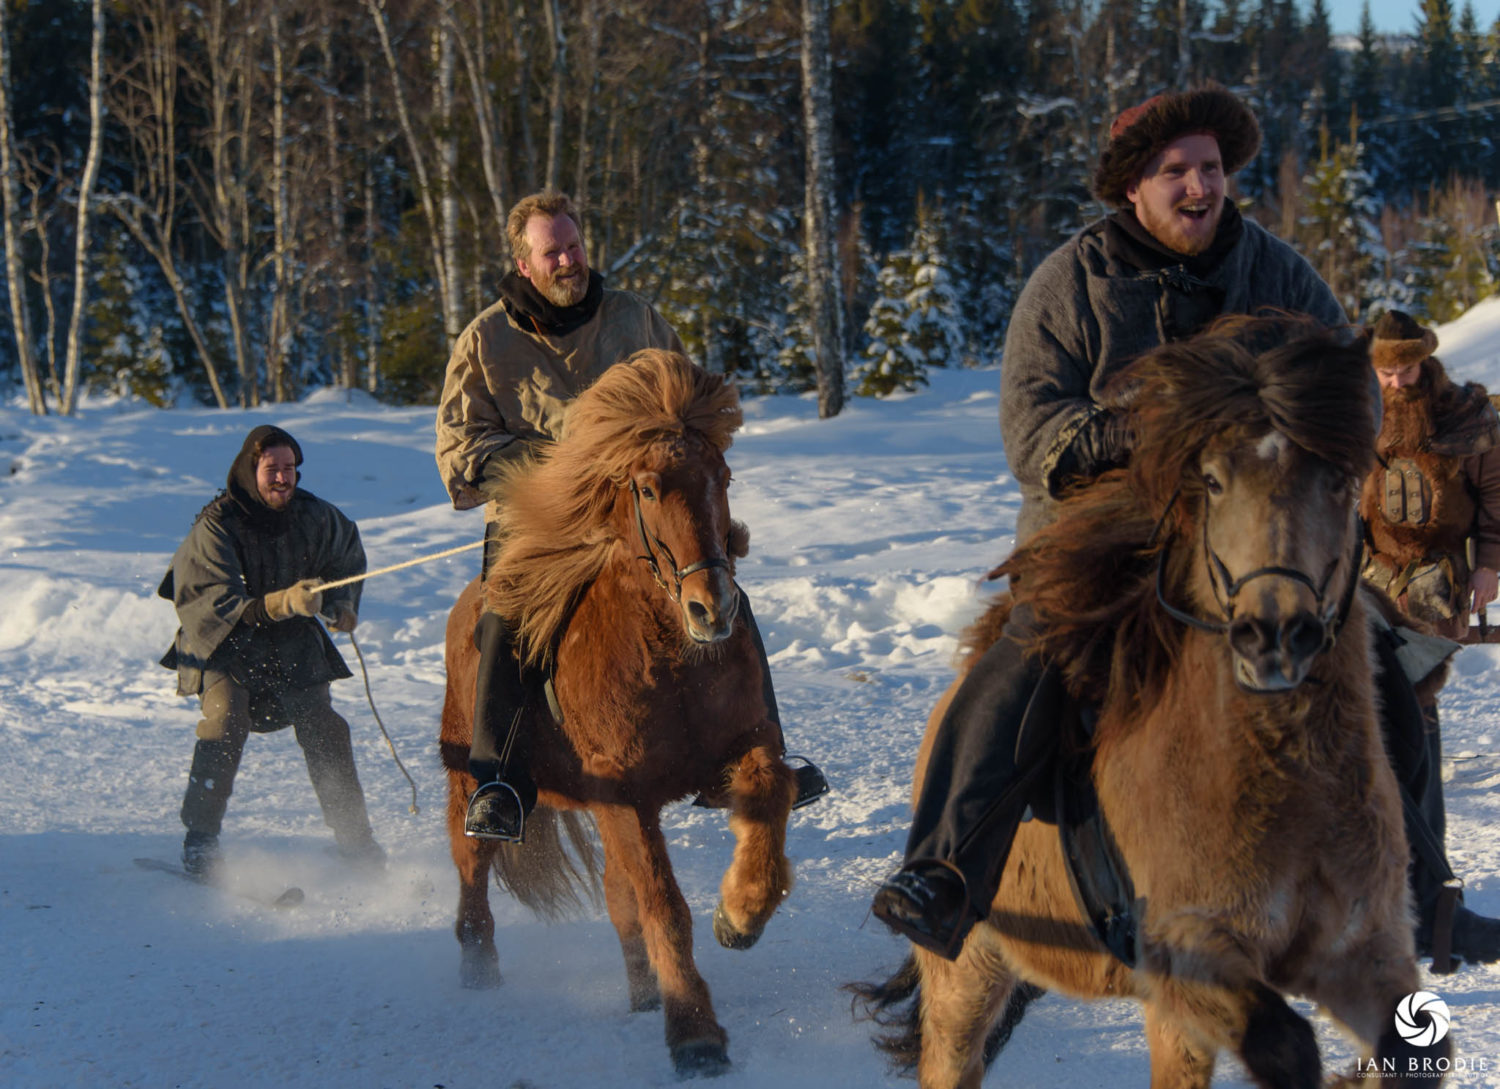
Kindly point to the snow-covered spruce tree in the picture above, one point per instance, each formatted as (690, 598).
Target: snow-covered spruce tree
(797, 370)
(916, 321)
(1339, 228)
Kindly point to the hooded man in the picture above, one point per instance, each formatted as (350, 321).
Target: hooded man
(244, 584)
(555, 329)
(1173, 255)
(1438, 485)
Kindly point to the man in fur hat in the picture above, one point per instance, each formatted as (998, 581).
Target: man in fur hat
(1172, 256)
(244, 583)
(555, 329)
(1438, 486)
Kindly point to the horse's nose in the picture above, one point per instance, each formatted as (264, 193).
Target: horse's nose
(709, 607)
(1275, 655)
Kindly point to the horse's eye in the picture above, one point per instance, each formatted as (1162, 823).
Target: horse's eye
(647, 493)
(1211, 482)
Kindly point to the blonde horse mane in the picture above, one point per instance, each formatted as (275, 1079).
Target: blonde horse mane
(555, 507)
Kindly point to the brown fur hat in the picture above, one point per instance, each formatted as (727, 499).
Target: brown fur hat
(1398, 341)
(1142, 131)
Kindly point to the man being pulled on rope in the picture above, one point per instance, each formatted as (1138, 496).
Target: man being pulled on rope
(1173, 256)
(554, 330)
(244, 585)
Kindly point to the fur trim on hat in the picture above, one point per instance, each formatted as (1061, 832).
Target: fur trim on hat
(1142, 131)
(1399, 340)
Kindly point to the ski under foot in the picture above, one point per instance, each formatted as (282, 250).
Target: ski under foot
(289, 898)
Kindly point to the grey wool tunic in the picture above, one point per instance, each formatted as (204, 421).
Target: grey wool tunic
(228, 561)
(1084, 314)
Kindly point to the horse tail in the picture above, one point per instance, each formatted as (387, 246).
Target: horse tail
(896, 1004)
(556, 873)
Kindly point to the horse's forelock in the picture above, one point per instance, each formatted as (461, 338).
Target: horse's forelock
(556, 504)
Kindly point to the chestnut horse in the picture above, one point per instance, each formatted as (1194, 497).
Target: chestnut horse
(1205, 602)
(618, 569)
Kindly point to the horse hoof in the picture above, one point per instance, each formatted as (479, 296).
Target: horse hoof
(728, 935)
(479, 970)
(700, 1059)
(645, 1001)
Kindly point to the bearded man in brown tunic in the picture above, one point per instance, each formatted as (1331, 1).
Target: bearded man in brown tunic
(1437, 488)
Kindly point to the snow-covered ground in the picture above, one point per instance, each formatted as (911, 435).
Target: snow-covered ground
(869, 533)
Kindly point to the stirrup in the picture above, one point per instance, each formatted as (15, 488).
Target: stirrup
(475, 828)
(812, 784)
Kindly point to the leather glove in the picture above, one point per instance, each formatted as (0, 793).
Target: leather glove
(299, 599)
(341, 617)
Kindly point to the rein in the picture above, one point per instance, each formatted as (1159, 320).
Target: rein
(654, 544)
(1333, 615)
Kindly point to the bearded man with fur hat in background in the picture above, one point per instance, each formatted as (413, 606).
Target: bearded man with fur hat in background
(1438, 486)
(1174, 255)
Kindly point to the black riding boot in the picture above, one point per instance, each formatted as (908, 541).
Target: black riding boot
(499, 750)
(811, 784)
(987, 756)
(1414, 743)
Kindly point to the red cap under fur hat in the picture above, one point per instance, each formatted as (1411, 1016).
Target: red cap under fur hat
(1142, 131)
(1399, 340)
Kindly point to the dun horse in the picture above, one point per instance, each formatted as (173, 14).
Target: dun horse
(619, 567)
(1204, 603)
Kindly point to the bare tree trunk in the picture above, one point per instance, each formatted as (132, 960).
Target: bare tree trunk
(15, 279)
(85, 201)
(346, 375)
(447, 177)
(557, 38)
(585, 143)
(372, 291)
(451, 321)
(475, 56)
(146, 108)
(276, 368)
(519, 63)
(822, 279)
(39, 226)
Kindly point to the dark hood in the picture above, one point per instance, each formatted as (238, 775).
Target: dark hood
(241, 485)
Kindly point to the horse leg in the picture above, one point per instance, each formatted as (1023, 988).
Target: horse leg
(961, 1002)
(1202, 980)
(761, 791)
(634, 844)
(1365, 991)
(624, 913)
(1176, 1062)
(479, 967)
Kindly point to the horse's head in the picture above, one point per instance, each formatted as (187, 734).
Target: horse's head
(1263, 448)
(675, 504)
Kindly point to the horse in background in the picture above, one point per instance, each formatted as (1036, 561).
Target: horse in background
(618, 570)
(1206, 602)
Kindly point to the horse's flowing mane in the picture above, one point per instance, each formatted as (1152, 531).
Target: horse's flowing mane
(1090, 575)
(555, 507)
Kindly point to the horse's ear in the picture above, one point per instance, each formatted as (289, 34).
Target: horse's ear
(738, 544)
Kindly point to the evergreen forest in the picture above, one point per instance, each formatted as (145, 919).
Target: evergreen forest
(234, 201)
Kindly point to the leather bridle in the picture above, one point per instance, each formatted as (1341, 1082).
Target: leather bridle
(1226, 587)
(654, 545)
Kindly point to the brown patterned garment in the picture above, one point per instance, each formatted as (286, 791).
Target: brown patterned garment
(1437, 486)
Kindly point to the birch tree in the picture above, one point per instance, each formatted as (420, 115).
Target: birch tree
(821, 277)
(85, 210)
(15, 278)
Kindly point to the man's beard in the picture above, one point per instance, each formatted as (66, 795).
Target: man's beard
(564, 290)
(1172, 231)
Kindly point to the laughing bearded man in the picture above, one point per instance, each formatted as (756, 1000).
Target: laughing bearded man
(1173, 256)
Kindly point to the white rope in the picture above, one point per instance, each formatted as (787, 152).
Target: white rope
(395, 567)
